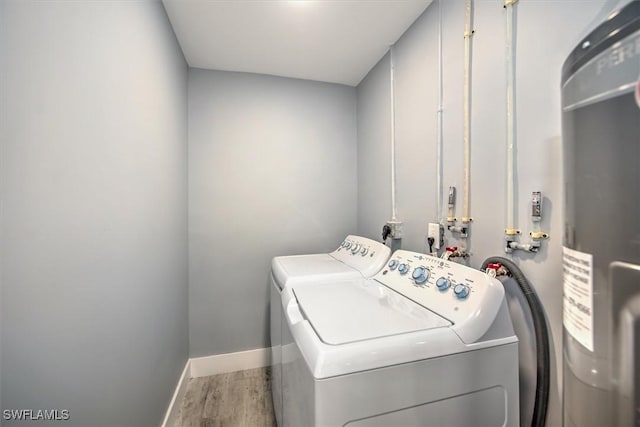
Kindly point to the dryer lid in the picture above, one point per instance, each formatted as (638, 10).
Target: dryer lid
(358, 310)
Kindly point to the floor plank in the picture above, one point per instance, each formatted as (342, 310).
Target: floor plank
(241, 398)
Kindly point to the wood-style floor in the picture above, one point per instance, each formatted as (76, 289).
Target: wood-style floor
(234, 399)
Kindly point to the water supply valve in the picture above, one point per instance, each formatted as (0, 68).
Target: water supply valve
(458, 229)
(455, 252)
(495, 269)
(527, 247)
(510, 236)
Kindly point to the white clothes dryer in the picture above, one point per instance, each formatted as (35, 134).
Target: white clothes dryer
(356, 257)
(425, 342)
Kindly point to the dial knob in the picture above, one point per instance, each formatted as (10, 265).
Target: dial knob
(355, 248)
(461, 291)
(347, 245)
(443, 283)
(420, 275)
(403, 268)
(364, 251)
(393, 264)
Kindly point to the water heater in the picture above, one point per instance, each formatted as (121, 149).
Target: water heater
(601, 253)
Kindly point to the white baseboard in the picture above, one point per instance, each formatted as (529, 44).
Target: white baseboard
(174, 406)
(230, 362)
(212, 365)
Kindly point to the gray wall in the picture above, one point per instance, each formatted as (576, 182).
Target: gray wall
(3, 64)
(272, 171)
(93, 181)
(540, 56)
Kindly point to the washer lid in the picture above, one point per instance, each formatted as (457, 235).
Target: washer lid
(307, 268)
(345, 312)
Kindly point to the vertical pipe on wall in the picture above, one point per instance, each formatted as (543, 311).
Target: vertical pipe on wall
(440, 139)
(467, 111)
(511, 136)
(393, 134)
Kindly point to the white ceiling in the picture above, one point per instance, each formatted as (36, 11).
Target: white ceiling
(336, 41)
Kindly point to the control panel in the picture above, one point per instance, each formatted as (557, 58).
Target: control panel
(465, 296)
(365, 255)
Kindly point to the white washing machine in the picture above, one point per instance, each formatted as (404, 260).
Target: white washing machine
(425, 342)
(356, 257)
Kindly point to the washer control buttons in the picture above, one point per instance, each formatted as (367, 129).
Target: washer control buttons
(393, 264)
(364, 251)
(443, 283)
(461, 291)
(403, 268)
(355, 248)
(347, 245)
(420, 275)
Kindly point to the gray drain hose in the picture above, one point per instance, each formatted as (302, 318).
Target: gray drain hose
(541, 331)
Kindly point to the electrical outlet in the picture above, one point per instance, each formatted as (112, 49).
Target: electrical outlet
(436, 232)
(396, 229)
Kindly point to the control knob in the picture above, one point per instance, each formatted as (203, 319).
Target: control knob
(355, 248)
(364, 251)
(403, 268)
(420, 275)
(393, 264)
(461, 291)
(443, 283)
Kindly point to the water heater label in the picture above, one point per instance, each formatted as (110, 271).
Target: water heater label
(577, 306)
